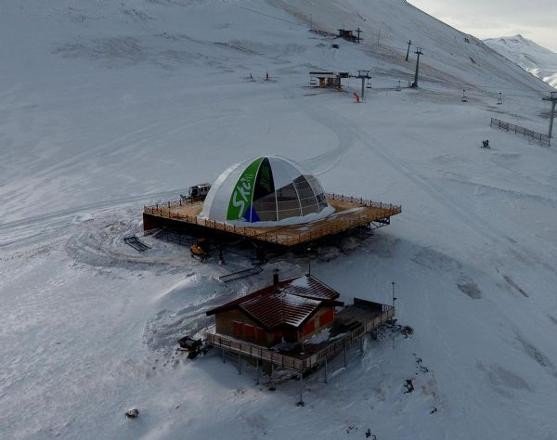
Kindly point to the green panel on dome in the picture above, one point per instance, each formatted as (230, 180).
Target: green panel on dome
(264, 184)
(242, 195)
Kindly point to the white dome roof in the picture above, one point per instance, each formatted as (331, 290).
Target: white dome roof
(266, 191)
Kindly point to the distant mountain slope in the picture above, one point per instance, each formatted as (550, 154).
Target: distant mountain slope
(451, 57)
(532, 57)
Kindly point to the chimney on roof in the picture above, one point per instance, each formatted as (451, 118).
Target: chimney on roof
(275, 277)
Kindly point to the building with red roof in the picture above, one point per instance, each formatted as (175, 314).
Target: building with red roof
(287, 311)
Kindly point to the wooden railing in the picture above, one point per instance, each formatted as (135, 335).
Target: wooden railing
(349, 340)
(364, 202)
(300, 364)
(254, 351)
(339, 224)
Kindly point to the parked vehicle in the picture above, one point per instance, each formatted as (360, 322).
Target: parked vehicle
(196, 192)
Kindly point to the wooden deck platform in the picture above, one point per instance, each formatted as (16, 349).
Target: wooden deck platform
(367, 319)
(350, 213)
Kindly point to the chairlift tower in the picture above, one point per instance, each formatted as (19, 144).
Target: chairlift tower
(408, 50)
(416, 75)
(500, 99)
(464, 97)
(363, 75)
(553, 99)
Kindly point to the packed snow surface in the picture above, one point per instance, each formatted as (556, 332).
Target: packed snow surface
(532, 57)
(106, 106)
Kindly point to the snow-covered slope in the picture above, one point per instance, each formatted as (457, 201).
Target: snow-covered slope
(532, 57)
(106, 106)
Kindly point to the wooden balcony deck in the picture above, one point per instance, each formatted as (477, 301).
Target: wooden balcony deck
(350, 213)
(368, 321)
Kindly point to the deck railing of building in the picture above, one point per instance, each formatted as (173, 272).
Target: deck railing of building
(340, 224)
(254, 351)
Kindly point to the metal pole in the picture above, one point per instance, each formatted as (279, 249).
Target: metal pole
(408, 50)
(551, 118)
(553, 99)
(363, 87)
(416, 75)
(394, 297)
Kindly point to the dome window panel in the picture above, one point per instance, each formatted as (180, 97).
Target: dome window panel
(265, 191)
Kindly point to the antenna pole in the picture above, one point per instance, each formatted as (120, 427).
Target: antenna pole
(394, 297)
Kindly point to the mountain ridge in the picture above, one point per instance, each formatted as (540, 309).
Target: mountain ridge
(529, 55)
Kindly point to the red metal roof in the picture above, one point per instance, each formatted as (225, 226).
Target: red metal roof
(291, 302)
(280, 309)
(310, 287)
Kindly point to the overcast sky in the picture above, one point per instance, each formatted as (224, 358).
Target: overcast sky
(534, 19)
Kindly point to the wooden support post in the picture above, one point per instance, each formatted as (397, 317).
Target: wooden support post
(272, 387)
(326, 379)
(258, 370)
(239, 362)
(301, 379)
(344, 349)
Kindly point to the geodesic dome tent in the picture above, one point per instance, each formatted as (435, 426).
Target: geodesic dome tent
(266, 191)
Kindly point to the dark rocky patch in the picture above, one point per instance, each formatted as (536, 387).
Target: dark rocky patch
(470, 288)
